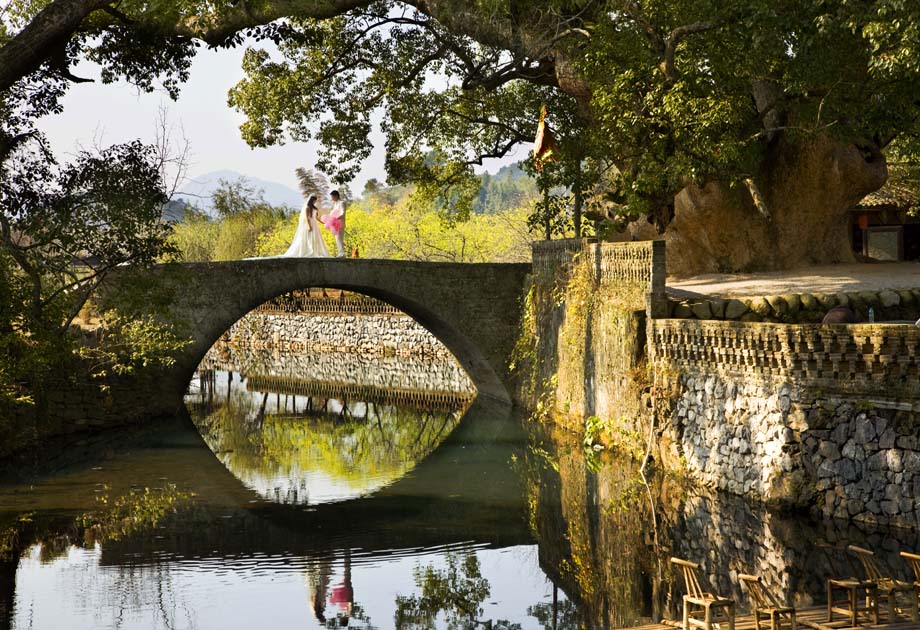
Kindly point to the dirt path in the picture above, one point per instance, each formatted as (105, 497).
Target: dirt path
(823, 279)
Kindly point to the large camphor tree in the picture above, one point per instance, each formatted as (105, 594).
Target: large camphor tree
(743, 131)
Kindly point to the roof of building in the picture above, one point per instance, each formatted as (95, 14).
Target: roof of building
(898, 191)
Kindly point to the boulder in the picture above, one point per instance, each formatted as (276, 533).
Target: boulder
(778, 305)
(809, 302)
(889, 298)
(682, 310)
(760, 306)
(826, 300)
(701, 309)
(734, 309)
(794, 301)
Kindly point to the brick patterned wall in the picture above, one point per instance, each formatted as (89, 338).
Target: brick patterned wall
(871, 359)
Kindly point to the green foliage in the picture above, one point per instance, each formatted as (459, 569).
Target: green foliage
(124, 345)
(594, 428)
(411, 231)
(747, 74)
(645, 97)
(385, 445)
(196, 237)
(233, 198)
(247, 227)
(329, 76)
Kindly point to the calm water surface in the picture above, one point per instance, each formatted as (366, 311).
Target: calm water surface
(293, 495)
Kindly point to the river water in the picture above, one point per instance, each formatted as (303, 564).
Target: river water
(301, 492)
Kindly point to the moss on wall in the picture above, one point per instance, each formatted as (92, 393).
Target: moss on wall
(580, 353)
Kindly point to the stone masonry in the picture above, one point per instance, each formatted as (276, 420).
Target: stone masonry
(804, 415)
(364, 334)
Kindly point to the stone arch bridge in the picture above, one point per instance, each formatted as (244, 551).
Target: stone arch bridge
(474, 309)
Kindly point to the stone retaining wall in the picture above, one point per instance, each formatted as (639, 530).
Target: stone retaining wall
(799, 308)
(366, 334)
(807, 415)
(76, 407)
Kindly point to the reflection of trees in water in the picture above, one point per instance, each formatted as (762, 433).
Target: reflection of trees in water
(138, 514)
(349, 441)
(557, 615)
(456, 591)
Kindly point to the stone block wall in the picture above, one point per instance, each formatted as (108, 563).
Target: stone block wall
(382, 333)
(804, 415)
(865, 359)
(75, 407)
(637, 269)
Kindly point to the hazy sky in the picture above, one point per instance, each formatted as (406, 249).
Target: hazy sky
(97, 114)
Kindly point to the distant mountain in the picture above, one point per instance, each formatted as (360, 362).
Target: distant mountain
(199, 189)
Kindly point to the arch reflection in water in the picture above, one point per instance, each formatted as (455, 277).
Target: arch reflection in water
(312, 428)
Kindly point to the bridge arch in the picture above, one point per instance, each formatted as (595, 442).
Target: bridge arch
(473, 309)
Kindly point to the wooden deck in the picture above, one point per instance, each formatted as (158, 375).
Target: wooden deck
(814, 617)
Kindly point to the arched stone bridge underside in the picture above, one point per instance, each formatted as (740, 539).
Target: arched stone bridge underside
(473, 309)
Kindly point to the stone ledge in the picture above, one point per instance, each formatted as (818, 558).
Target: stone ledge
(799, 308)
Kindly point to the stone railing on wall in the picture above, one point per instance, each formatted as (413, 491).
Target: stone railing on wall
(637, 267)
(867, 359)
(800, 308)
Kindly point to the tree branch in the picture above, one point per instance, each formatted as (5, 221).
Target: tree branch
(36, 43)
(670, 48)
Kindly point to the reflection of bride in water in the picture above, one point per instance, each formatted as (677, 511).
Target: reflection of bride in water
(308, 241)
(318, 578)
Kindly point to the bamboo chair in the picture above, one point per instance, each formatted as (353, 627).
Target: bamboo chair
(701, 608)
(852, 587)
(887, 587)
(766, 606)
(913, 561)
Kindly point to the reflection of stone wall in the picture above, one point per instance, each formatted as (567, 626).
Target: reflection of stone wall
(795, 557)
(602, 541)
(367, 334)
(436, 373)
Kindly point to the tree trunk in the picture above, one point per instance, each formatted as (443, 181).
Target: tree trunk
(808, 190)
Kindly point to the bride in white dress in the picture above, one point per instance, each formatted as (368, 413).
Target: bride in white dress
(308, 241)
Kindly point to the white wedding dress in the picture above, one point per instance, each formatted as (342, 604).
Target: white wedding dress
(308, 241)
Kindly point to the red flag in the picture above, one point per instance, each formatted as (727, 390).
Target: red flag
(544, 145)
